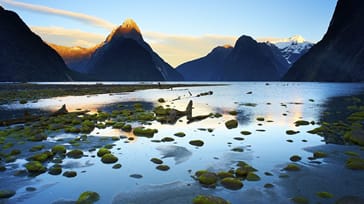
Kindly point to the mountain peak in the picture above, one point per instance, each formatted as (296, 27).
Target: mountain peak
(297, 38)
(129, 29)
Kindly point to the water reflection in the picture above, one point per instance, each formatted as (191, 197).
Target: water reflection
(178, 153)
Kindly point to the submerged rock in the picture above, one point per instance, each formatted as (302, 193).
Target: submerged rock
(230, 124)
(198, 143)
(88, 197)
(231, 183)
(6, 193)
(209, 199)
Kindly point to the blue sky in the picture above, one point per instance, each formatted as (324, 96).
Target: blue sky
(165, 22)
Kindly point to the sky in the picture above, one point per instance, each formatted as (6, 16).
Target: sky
(177, 30)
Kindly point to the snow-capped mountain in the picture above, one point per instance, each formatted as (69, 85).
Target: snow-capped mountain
(291, 48)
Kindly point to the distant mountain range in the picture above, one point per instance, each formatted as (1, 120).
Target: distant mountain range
(248, 60)
(24, 56)
(123, 56)
(339, 56)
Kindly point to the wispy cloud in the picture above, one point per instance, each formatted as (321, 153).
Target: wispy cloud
(177, 49)
(68, 37)
(64, 13)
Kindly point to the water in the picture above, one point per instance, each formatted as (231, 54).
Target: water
(268, 151)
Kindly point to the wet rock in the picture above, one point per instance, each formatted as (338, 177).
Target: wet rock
(55, 169)
(35, 167)
(238, 138)
(162, 167)
(145, 132)
(116, 166)
(319, 154)
(244, 132)
(167, 139)
(180, 134)
(59, 149)
(252, 177)
(156, 161)
(233, 112)
(69, 174)
(237, 149)
(301, 123)
(209, 199)
(295, 158)
(208, 179)
(198, 143)
(109, 158)
(88, 197)
(230, 124)
(30, 189)
(324, 194)
(260, 119)
(224, 174)
(231, 183)
(350, 200)
(355, 163)
(292, 167)
(6, 193)
(136, 176)
(300, 200)
(161, 100)
(268, 185)
(291, 132)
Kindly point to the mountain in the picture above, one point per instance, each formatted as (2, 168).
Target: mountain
(253, 61)
(292, 48)
(339, 56)
(205, 68)
(24, 56)
(76, 57)
(123, 56)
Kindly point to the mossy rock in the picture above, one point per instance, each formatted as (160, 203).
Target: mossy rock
(301, 123)
(180, 134)
(352, 154)
(324, 194)
(217, 115)
(167, 139)
(300, 200)
(198, 143)
(88, 197)
(232, 183)
(260, 119)
(238, 138)
(15, 152)
(146, 132)
(295, 158)
(162, 167)
(241, 172)
(102, 151)
(252, 177)
(6, 193)
(233, 112)
(209, 199)
(118, 125)
(109, 158)
(230, 124)
(35, 167)
(156, 161)
(116, 166)
(245, 132)
(208, 179)
(292, 132)
(126, 128)
(75, 154)
(268, 185)
(292, 167)
(200, 172)
(2, 168)
(319, 154)
(161, 100)
(224, 174)
(59, 149)
(55, 169)
(69, 174)
(237, 149)
(37, 138)
(355, 163)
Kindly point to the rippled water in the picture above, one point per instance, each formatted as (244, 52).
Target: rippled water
(268, 151)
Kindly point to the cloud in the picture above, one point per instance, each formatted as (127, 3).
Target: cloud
(177, 49)
(68, 37)
(58, 12)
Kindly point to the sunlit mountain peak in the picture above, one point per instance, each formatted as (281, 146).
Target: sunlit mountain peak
(227, 46)
(129, 29)
(297, 38)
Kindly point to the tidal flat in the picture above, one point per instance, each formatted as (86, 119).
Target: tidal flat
(249, 142)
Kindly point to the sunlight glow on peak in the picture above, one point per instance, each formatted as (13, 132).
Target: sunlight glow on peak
(227, 46)
(129, 25)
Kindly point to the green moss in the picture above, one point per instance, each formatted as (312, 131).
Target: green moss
(156, 161)
(209, 199)
(109, 146)
(69, 174)
(295, 158)
(36, 148)
(102, 151)
(292, 167)
(231, 183)
(59, 149)
(126, 128)
(118, 125)
(291, 132)
(55, 169)
(352, 154)
(145, 132)
(319, 154)
(233, 112)
(208, 179)
(35, 167)
(197, 143)
(180, 134)
(252, 177)
(162, 167)
(355, 163)
(88, 197)
(15, 152)
(75, 154)
(260, 119)
(6, 193)
(301, 123)
(324, 194)
(244, 132)
(241, 172)
(300, 200)
(230, 124)
(224, 174)
(109, 159)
